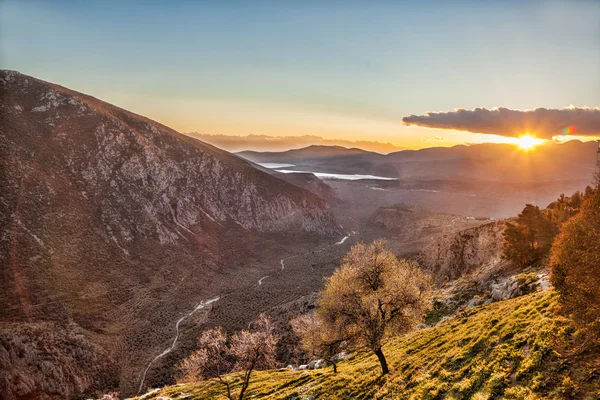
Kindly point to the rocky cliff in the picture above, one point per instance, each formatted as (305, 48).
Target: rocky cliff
(456, 254)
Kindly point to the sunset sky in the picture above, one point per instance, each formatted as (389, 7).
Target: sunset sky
(336, 69)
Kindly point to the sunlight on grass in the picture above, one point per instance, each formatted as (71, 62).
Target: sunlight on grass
(504, 349)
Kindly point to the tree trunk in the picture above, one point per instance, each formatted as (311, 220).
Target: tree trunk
(382, 361)
(334, 367)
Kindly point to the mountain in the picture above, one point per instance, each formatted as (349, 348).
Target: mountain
(333, 159)
(236, 143)
(572, 160)
(111, 227)
(314, 152)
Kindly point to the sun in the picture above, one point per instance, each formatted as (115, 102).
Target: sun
(527, 142)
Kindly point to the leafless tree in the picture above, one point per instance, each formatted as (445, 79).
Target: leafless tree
(229, 359)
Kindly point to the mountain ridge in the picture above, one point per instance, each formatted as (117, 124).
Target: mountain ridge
(572, 160)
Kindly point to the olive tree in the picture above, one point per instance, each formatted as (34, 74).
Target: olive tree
(372, 296)
(230, 359)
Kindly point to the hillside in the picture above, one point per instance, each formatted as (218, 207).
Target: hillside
(113, 226)
(513, 349)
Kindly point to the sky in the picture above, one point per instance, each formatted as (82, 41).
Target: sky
(335, 69)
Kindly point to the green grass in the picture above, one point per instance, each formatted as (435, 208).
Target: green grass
(503, 350)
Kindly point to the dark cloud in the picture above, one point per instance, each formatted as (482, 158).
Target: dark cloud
(542, 122)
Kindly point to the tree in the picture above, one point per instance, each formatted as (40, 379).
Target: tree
(529, 238)
(575, 264)
(243, 353)
(318, 340)
(563, 208)
(372, 296)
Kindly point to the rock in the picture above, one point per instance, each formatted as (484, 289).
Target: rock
(459, 253)
(302, 367)
(497, 294)
(341, 356)
(316, 364)
(475, 301)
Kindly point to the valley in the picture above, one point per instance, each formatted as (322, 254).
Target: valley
(242, 200)
(162, 236)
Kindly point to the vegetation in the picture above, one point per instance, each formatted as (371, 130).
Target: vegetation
(563, 208)
(505, 350)
(317, 339)
(373, 295)
(529, 238)
(243, 353)
(576, 265)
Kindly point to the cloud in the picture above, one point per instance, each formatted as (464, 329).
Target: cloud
(541, 122)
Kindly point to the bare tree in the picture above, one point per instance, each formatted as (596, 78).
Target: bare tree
(317, 339)
(373, 295)
(233, 359)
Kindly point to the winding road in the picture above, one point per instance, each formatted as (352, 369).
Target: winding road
(199, 306)
(204, 304)
(283, 260)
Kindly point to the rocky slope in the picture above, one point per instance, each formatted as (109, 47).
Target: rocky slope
(453, 255)
(118, 224)
(469, 270)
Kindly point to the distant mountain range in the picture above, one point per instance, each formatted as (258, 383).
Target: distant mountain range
(572, 160)
(112, 225)
(235, 143)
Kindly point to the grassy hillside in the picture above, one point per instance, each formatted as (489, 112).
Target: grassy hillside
(508, 349)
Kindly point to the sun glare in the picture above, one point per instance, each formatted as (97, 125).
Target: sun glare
(527, 142)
